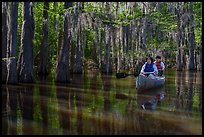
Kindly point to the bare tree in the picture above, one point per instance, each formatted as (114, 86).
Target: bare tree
(63, 71)
(78, 63)
(127, 31)
(107, 66)
(143, 24)
(12, 42)
(179, 35)
(55, 21)
(25, 62)
(4, 41)
(78, 60)
(120, 49)
(43, 64)
(191, 65)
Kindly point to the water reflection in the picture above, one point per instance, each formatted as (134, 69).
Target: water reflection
(19, 109)
(95, 104)
(106, 87)
(180, 89)
(188, 91)
(200, 93)
(6, 111)
(65, 102)
(106, 125)
(78, 80)
(191, 80)
(39, 114)
(149, 99)
(41, 106)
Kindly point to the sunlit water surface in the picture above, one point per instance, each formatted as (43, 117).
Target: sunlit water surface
(95, 104)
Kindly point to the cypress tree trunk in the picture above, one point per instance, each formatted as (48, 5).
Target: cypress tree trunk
(123, 47)
(138, 35)
(182, 39)
(100, 46)
(25, 62)
(55, 5)
(200, 54)
(105, 50)
(93, 52)
(118, 42)
(100, 41)
(43, 64)
(127, 47)
(191, 65)
(83, 42)
(12, 43)
(55, 21)
(109, 53)
(74, 33)
(78, 63)
(63, 71)
(184, 22)
(4, 42)
(143, 29)
(119, 51)
(96, 41)
(107, 66)
(72, 56)
(107, 43)
(114, 31)
(94, 47)
(183, 54)
(178, 56)
(131, 46)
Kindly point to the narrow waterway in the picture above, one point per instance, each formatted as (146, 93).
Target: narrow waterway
(95, 104)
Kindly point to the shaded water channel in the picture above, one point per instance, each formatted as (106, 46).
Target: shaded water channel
(101, 104)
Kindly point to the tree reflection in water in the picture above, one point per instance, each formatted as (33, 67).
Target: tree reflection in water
(101, 104)
(149, 99)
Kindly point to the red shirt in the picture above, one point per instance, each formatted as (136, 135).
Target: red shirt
(158, 65)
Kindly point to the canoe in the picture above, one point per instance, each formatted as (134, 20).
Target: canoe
(143, 82)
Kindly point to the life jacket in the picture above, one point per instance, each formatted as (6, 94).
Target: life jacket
(158, 65)
(149, 67)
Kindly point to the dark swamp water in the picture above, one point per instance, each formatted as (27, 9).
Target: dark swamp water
(95, 104)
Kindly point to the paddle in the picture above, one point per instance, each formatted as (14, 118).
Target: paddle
(124, 75)
(148, 73)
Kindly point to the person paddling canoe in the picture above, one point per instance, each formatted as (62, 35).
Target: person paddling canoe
(149, 68)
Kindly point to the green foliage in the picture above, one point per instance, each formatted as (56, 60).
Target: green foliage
(38, 16)
(161, 22)
(90, 35)
(19, 29)
(197, 9)
(53, 46)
